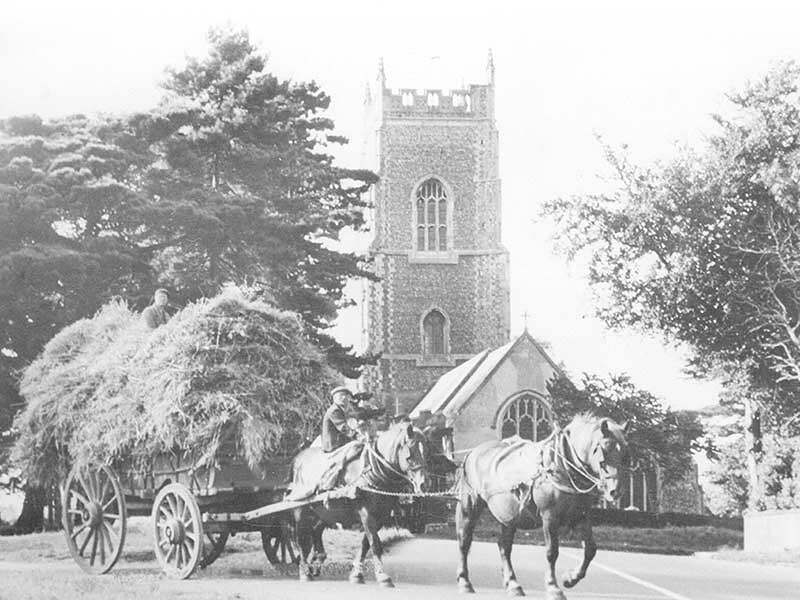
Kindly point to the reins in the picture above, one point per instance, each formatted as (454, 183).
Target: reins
(378, 470)
(566, 463)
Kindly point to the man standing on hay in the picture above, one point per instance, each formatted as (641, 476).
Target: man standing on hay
(156, 315)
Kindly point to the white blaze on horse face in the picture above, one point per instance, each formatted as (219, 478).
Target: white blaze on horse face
(415, 465)
(608, 458)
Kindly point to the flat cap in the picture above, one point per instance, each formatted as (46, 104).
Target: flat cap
(341, 389)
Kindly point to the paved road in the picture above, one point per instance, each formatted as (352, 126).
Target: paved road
(425, 568)
(620, 575)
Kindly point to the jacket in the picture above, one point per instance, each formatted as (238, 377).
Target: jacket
(154, 316)
(335, 431)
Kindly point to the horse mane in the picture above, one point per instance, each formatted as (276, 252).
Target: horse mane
(591, 418)
(586, 418)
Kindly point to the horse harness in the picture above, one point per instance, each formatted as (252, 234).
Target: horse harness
(557, 456)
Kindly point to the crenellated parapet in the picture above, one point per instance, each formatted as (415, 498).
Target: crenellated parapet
(475, 102)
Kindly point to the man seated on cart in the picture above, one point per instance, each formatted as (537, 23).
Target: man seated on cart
(340, 443)
(336, 431)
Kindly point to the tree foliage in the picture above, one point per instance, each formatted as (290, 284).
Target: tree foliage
(247, 191)
(658, 434)
(68, 232)
(705, 248)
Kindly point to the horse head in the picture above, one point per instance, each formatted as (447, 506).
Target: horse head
(601, 445)
(403, 447)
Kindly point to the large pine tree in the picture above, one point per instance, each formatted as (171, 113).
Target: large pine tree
(246, 188)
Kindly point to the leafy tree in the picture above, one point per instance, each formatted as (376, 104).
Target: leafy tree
(658, 435)
(726, 486)
(68, 240)
(705, 248)
(246, 189)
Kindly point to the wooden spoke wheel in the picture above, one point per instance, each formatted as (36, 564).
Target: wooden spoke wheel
(213, 545)
(94, 518)
(278, 545)
(178, 530)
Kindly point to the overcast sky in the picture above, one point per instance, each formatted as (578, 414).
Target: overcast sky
(646, 74)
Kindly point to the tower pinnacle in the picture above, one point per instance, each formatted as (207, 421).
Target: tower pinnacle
(381, 74)
(490, 67)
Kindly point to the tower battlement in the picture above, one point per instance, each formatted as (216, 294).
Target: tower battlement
(473, 102)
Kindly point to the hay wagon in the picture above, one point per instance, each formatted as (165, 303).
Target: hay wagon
(193, 510)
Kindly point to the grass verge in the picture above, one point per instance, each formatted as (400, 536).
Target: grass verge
(39, 567)
(663, 540)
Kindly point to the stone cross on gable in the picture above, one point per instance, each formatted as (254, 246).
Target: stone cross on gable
(525, 316)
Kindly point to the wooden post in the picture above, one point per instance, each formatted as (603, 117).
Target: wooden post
(644, 490)
(631, 482)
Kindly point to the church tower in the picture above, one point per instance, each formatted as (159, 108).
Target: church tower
(442, 293)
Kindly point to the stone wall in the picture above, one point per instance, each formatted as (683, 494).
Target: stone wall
(683, 495)
(772, 531)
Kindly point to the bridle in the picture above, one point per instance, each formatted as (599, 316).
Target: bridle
(597, 482)
(378, 470)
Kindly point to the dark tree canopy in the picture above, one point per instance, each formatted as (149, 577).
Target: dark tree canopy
(68, 232)
(705, 248)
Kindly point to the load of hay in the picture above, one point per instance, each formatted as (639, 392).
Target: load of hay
(108, 390)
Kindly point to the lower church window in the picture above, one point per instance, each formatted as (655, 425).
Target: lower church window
(433, 332)
(528, 417)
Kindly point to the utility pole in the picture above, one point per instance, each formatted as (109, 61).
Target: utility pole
(752, 442)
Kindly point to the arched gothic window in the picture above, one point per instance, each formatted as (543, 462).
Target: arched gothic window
(528, 417)
(431, 216)
(433, 334)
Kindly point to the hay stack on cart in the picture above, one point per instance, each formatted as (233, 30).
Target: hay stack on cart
(198, 415)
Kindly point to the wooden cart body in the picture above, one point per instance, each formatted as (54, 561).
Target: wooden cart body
(199, 503)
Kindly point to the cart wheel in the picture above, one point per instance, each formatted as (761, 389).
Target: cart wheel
(94, 518)
(178, 530)
(213, 546)
(278, 544)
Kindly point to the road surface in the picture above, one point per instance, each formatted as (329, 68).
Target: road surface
(425, 568)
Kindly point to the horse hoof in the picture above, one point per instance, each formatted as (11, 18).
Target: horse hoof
(387, 583)
(356, 578)
(569, 583)
(465, 587)
(555, 594)
(514, 589)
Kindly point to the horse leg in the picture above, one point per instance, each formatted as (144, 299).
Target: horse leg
(550, 529)
(357, 574)
(319, 556)
(301, 531)
(468, 511)
(504, 542)
(371, 528)
(589, 550)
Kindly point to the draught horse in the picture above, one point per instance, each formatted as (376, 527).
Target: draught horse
(559, 477)
(394, 463)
